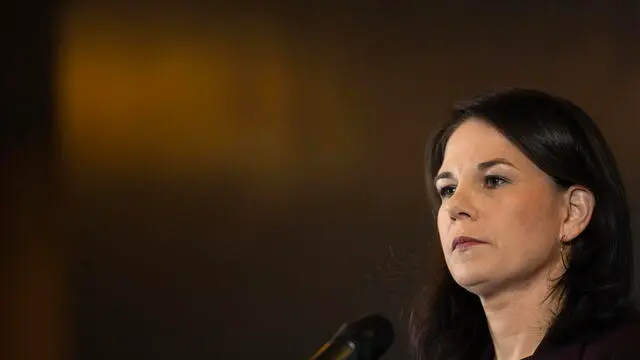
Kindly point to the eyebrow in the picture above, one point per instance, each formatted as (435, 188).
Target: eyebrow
(481, 166)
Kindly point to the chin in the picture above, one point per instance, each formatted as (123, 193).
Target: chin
(470, 280)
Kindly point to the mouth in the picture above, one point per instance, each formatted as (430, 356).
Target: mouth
(464, 242)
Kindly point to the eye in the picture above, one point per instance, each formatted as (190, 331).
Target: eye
(446, 191)
(494, 181)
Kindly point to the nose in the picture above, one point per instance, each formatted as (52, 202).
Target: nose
(460, 206)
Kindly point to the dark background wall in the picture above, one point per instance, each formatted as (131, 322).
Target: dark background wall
(35, 321)
(238, 180)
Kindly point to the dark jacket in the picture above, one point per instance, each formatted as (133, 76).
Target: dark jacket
(620, 343)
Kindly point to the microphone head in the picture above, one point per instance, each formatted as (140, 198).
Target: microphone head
(372, 336)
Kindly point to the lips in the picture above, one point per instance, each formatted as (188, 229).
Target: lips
(464, 242)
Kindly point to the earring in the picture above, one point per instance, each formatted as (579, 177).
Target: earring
(563, 246)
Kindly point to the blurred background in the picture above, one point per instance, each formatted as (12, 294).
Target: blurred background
(191, 180)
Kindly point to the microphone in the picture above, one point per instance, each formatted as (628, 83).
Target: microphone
(364, 339)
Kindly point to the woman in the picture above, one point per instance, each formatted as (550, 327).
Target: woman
(535, 231)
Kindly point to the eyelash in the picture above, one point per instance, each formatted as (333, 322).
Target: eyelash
(487, 179)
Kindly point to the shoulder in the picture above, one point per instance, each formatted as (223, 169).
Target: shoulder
(621, 342)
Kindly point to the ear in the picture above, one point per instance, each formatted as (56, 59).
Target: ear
(580, 203)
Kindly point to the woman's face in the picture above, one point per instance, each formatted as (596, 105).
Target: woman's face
(493, 193)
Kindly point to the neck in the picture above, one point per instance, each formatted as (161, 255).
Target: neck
(518, 318)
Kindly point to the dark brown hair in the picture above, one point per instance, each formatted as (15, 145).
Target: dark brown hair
(448, 322)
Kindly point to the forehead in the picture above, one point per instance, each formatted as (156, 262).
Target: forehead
(475, 141)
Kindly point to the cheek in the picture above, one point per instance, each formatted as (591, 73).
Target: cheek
(528, 221)
(442, 223)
